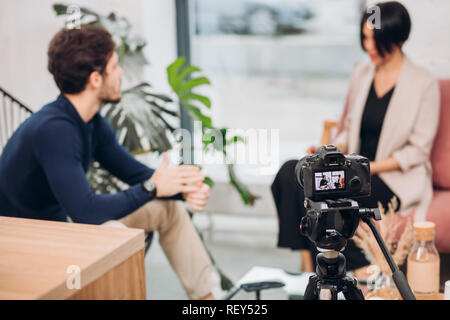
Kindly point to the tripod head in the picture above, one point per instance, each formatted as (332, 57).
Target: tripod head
(329, 224)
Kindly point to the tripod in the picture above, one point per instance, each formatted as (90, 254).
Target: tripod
(331, 278)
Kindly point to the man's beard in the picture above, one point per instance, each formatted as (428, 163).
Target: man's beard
(109, 100)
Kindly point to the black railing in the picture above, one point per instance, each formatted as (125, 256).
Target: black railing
(12, 114)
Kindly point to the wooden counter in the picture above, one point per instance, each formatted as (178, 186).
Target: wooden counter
(40, 259)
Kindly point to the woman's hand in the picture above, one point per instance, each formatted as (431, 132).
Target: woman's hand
(389, 164)
(311, 150)
(373, 168)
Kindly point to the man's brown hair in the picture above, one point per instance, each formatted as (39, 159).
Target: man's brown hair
(73, 54)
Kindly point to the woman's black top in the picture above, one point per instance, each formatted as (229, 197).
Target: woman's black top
(372, 121)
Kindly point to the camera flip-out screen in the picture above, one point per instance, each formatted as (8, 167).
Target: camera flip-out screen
(330, 180)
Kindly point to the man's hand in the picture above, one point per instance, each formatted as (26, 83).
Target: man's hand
(197, 199)
(170, 181)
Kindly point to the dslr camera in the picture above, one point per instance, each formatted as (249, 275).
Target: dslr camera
(328, 174)
(329, 179)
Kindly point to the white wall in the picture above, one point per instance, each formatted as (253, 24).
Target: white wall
(27, 26)
(429, 42)
(159, 29)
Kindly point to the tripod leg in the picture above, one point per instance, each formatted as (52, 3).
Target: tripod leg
(311, 292)
(351, 291)
(334, 295)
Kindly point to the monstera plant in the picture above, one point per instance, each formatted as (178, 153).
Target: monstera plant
(143, 119)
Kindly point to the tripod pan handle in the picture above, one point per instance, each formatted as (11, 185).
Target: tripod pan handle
(402, 285)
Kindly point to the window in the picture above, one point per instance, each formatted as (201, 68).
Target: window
(280, 64)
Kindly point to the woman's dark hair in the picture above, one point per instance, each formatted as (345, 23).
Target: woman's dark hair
(394, 28)
(73, 54)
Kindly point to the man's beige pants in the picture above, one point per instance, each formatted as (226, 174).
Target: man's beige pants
(179, 241)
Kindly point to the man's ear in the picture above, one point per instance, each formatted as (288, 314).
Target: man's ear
(95, 80)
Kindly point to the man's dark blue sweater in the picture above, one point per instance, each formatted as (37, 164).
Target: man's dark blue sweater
(43, 168)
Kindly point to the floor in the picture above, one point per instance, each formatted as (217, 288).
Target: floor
(237, 244)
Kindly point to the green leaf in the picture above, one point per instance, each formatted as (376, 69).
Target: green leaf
(159, 96)
(115, 120)
(206, 121)
(138, 87)
(111, 110)
(173, 71)
(120, 50)
(89, 12)
(204, 100)
(187, 71)
(160, 108)
(192, 83)
(234, 139)
(208, 138)
(163, 120)
(209, 182)
(60, 9)
(131, 141)
(246, 196)
(225, 282)
(176, 77)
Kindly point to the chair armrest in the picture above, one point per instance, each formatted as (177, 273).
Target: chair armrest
(328, 126)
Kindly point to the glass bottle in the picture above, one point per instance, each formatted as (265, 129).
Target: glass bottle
(423, 260)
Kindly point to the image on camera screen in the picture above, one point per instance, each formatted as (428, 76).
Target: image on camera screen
(330, 180)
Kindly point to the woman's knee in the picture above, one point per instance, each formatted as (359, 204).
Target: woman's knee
(286, 174)
(288, 167)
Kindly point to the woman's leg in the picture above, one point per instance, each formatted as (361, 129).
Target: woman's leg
(306, 261)
(289, 197)
(380, 193)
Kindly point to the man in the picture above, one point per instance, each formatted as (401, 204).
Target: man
(43, 166)
(323, 183)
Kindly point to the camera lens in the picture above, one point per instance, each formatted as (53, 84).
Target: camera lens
(355, 184)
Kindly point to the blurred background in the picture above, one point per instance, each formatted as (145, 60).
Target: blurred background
(272, 64)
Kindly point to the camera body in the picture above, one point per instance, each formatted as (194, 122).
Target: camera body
(328, 174)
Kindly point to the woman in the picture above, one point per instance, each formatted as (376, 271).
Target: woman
(391, 118)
